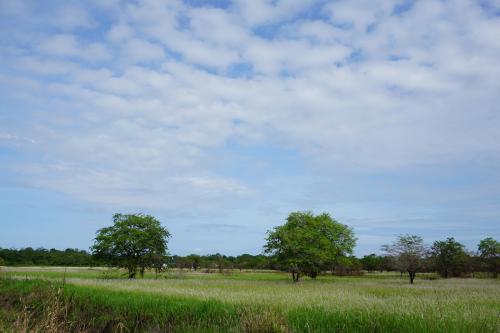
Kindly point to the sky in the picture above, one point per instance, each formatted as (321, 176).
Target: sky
(222, 117)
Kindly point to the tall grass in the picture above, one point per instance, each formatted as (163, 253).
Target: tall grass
(114, 273)
(266, 303)
(41, 306)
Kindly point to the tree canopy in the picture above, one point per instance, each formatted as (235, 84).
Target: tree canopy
(449, 257)
(372, 262)
(134, 241)
(307, 243)
(489, 251)
(45, 257)
(408, 251)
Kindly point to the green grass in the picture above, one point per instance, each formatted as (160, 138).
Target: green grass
(113, 273)
(243, 301)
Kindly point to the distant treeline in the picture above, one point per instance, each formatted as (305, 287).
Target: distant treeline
(43, 257)
(465, 265)
(74, 257)
(206, 263)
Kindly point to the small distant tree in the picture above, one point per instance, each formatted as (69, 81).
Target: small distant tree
(489, 252)
(133, 241)
(306, 243)
(159, 263)
(448, 257)
(348, 266)
(245, 261)
(372, 262)
(408, 251)
(221, 262)
(194, 261)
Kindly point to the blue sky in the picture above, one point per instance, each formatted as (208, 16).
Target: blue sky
(222, 117)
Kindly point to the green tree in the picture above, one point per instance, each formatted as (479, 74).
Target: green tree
(408, 252)
(489, 251)
(133, 241)
(348, 265)
(307, 243)
(372, 262)
(449, 257)
(244, 261)
(194, 261)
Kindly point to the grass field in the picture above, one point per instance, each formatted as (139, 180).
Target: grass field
(256, 301)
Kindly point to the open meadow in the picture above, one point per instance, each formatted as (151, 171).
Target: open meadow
(262, 301)
(255, 166)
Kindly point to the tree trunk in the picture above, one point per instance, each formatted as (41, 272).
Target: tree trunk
(142, 271)
(412, 276)
(132, 268)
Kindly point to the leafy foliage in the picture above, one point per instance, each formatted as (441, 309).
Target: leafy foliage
(373, 262)
(44, 257)
(489, 251)
(307, 243)
(449, 257)
(133, 241)
(408, 251)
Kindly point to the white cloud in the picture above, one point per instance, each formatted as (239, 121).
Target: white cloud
(119, 33)
(16, 139)
(362, 89)
(72, 17)
(67, 45)
(61, 45)
(267, 11)
(138, 50)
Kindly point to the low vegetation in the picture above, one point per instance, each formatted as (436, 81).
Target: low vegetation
(245, 302)
(140, 288)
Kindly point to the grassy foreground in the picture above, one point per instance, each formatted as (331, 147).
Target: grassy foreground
(245, 302)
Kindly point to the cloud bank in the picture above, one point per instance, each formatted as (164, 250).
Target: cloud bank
(145, 103)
